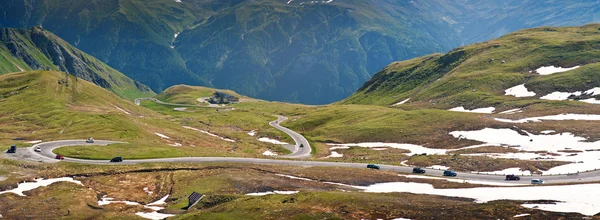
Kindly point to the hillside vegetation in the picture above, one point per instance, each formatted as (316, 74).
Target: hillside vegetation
(37, 49)
(477, 75)
(311, 52)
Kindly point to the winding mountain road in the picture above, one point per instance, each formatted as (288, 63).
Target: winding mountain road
(47, 155)
(302, 148)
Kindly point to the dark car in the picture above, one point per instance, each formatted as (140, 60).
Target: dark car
(301, 145)
(117, 159)
(59, 157)
(12, 149)
(418, 170)
(373, 166)
(449, 173)
(512, 177)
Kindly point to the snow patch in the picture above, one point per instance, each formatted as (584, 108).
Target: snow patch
(27, 186)
(252, 133)
(510, 112)
(269, 140)
(180, 109)
(106, 201)
(162, 135)
(560, 96)
(548, 70)
(519, 91)
(516, 171)
(269, 153)
(414, 149)
(402, 102)
(561, 117)
(335, 154)
(521, 215)
(147, 191)
(461, 180)
(123, 110)
(488, 110)
(575, 198)
(272, 192)
(210, 134)
(438, 167)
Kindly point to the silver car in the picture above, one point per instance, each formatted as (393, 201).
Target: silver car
(38, 149)
(537, 181)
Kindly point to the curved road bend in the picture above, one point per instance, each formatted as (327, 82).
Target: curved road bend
(299, 152)
(46, 155)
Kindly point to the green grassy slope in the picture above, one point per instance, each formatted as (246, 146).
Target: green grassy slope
(466, 76)
(36, 48)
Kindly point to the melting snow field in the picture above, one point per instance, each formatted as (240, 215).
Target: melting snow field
(548, 70)
(414, 149)
(252, 133)
(585, 160)
(519, 91)
(461, 180)
(154, 206)
(269, 140)
(581, 198)
(561, 117)
(488, 110)
(272, 192)
(560, 96)
(26, 186)
(574, 198)
(209, 134)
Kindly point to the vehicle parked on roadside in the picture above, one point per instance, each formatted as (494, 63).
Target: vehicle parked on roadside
(59, 157)
(449, 173)
(117, 159)
(512, 177)
(12, 149)
(38, 149)
(537, 181)
(89, 140)
(418, 170)
(373, 166)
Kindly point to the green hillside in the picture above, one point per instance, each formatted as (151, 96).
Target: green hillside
(311, 52)
(35, 49)
(475, 76)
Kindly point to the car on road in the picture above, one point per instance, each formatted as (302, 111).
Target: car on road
(373, 166)
(449, 173)
(301, 145)
(512, 177)
(38, 149)
(59, 157)
(89, 140)
(12, 149)
(116, 159)
(537, 181)
(418, 170)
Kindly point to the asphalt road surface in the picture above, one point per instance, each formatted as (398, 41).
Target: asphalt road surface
(46, 155)
(298, 152)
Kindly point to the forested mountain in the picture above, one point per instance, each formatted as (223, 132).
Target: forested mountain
(37, 49)
(298, 51)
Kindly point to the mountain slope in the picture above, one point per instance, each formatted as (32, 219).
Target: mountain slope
(299, 51)
(475, 76)
(36, 48)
